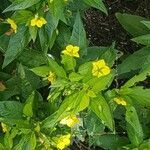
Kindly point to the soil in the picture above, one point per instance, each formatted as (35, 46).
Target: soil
(103, 29)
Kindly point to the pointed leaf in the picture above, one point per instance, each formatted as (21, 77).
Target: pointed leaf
(100, 107)
(16, 44)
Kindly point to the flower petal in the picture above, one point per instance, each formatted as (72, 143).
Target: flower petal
(69, 47)
(105, 70)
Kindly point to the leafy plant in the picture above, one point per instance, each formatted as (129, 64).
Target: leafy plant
(55, 88)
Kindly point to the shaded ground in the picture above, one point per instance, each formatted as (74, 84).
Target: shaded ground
(102, 30)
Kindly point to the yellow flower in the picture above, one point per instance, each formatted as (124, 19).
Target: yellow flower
(51, 77)
(38, 21)
(71, 51)
(70, 121)
(100, 68)
(12, 24)
(63, 141)
(120, 101)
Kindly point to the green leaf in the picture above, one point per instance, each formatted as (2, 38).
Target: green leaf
(8, 141)
(96, 4)
(93, 124)
(2, 147)
(99, 84)
(137, 78)
(4, 28)
(71, 105)
(140, 96)
(21, 4)
(82, 103)
(78, 37)
(33, 33)
(60, 72)
(109, 141)
(140, 57)
(85, 68)
(19, 123)
(28, 107)
(132, 24)
(48, 33)
(12, 88)
(4, 40)
(29, 83)
(32, 58)
(75, 77)
(57, 8)
(134, 128)
(144, 39)
(109, 54)
(100, 107)
(146, 23)
(145, 145)
(11, 109)
(64, 33)
(4, 76)
(16, 44)
(22, 16)
(27, 142)
(68, 62)
(41, 71)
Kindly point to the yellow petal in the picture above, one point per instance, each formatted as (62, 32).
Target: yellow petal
(76, 49)
(43, 20)
(106, 70)
(12, 24)
(120, 101)
(51, 78)
(64, 121)
(69, 47)
(60, 145)
(68, 136)
(65, 52)
(71, 51)
(33, 22)
(39, 23)
(70, 121)
(63, 141)
(75, 55)
(100, 68)
(66, 141)
(9, 20)
(101, 63)
(4, 127)
(124, 103)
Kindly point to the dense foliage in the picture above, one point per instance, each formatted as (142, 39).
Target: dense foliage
(57, 90)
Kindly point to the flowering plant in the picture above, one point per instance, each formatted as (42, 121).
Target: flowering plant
(56, 89)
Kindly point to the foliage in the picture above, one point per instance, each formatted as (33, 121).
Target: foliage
(54, 87)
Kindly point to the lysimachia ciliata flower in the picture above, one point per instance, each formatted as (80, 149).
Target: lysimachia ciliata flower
(100, 68)
(120, 101)
(38, 21)
(63, 141)
(70, 121)
(71, 51)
